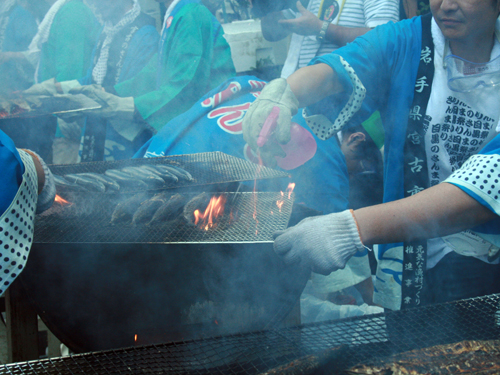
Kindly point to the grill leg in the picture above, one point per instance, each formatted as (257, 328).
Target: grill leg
(22, 325)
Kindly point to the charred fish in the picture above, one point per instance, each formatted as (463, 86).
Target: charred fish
(126, 180)
(87, 182)
(170, 210)
(126, 209)
(148, 208)
(108, 182)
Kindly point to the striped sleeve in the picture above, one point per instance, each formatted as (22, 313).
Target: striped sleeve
(379, 12)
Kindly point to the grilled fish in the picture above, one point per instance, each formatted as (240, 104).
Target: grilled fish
(126, 209)
(465, 357)
(126, 180)
(170, 210)
(200, 202)
(108, 182)
(151, 179)
(166, 176)
(180, 173)
(148, 208)
(87, 182)
(61, 182)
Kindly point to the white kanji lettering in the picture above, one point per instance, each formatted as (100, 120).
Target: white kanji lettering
(415, 113)
(425, 55)
(415, 165)
(421, 84)
(414, 138)
(416, 189)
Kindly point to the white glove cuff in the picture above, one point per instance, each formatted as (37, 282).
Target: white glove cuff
(66, 86)
(345, 234)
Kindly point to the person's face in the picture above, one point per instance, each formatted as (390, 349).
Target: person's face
(349, 148)
(460, 20)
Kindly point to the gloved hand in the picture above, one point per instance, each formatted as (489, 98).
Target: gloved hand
(48, 193)
(324, 243)
(275, 93)
(112, 106)
(46, 88)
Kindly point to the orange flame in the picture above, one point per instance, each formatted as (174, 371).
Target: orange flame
(61, 201)
(135, 337)
(214, 209)
(289, 190)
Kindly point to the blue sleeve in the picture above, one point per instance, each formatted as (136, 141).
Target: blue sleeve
(487, 165)
(12, 171)
(142, 47)
(383, 60)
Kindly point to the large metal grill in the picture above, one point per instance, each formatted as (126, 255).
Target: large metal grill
(248, 217)
(359, 340)
(206, 168)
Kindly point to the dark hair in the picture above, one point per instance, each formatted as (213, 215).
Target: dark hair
(368, 153)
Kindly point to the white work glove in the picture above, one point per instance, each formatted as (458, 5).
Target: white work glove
(45, 88)
(47, 195)
(112, 106)
(275, 93)
(323, 243)
(67, 86)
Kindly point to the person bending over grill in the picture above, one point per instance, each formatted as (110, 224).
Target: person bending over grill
(28, 188)
(434, 80)
(193, 58)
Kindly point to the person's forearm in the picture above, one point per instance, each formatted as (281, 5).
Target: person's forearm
(438, 211)
(312, 83)
(341, 35)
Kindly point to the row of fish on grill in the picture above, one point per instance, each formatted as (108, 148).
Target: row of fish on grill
(142, 209)
(144, 177)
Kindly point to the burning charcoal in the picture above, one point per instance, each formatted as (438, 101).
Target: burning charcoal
(87, 182)
(180, 173)
(148, 208)
(170, 210)
(465, 357)
(200, 203)
(126, 209)
(126, 180)
(310, 364)
(151, 179)
(166, 176)
(61, 182)
(108, 182)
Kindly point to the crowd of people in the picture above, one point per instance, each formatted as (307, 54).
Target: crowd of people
(401, 111)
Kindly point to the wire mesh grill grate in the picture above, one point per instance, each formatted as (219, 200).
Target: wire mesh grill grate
(358, 340)
(206, 168)
(248, 217)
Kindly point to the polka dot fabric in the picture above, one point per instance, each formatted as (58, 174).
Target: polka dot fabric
(481, 175)
(321, 126)
(16, 226)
